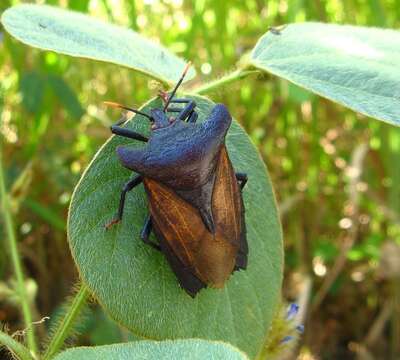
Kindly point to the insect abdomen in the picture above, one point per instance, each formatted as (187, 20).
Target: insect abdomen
(211, 257)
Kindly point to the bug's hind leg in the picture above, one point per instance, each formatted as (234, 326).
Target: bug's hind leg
(145, 233)
(127, 187)
(242, 179)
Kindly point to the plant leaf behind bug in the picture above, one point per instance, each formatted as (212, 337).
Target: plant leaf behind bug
(76, 34)
(353, 66)
(32, 86)
(66, 96)
(134, 282)
(194, 349)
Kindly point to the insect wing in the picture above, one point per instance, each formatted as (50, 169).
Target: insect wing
(227, 205)
(178, 221)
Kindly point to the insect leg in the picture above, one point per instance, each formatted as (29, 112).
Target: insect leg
(180, 101)
(118, 130)
(174, 110)
(187, 111)
(145, 233)
(192, 117)
(127, 187)
(242, 179)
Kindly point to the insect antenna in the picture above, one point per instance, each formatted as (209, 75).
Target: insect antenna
(185, 70)
(116, 105)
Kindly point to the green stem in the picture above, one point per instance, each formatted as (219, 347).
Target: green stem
(64, 328)
(16, 261)
(227, 79)
(15, 347)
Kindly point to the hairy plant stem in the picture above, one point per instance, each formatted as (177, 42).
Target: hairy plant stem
(16, 261)
(227, 79)
(15, 346)
(64, 328)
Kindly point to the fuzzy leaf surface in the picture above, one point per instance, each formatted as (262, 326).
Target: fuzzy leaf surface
(76, 34)
(194, 349)
(357, 67)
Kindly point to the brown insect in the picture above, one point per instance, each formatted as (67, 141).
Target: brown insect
(195, 200)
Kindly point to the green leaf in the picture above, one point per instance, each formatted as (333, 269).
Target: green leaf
(32, 87)
(66, 96)
(194, 349)
(15, 347)
(76, 34)
(354, 66)
(79, 5)
(133, 281)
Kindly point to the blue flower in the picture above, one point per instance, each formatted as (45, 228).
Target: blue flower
(286, 339)
(300, 328)
(291, 313)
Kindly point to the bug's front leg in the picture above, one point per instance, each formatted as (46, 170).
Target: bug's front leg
(242, 179)
(127, 187)
(145, 233)
(121, 131)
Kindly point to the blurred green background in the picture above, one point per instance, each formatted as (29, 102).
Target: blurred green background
(336, 173)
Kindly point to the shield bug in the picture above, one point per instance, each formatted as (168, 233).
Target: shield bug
(196, 209)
